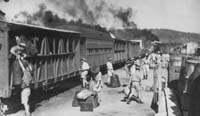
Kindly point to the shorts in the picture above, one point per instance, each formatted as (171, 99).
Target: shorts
(25, 95)
(136, 86)
(110, 73)
(84, 74)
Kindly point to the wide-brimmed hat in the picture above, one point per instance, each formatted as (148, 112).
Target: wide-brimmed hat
(23, 45)
(109, 58)
(95, 69)
(84, 59)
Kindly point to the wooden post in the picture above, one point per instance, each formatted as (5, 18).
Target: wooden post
(159, 87)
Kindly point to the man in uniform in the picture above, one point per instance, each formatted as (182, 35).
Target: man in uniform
(135, 83)
(84, 71)
(26, 80)
(146, 66)
(109, 69)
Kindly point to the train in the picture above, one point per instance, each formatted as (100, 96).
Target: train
(59, 51)
(184, 73)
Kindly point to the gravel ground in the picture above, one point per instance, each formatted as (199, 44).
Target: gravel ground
(61, 105)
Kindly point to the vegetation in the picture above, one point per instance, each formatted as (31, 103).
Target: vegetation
(172, 36)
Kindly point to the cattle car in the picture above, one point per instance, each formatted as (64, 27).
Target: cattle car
(57, 58)
(96, 46)
(133, 49)
(120, 51)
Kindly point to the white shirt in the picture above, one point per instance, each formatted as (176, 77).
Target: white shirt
(109, 66)
(85, 66)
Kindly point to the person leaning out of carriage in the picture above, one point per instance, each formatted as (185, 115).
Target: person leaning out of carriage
(84, 72)
(19, 51)
(95, 83)
(109, 69)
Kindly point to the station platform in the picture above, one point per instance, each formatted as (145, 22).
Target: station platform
(111, 104)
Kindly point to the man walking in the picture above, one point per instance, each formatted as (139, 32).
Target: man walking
(135, 83)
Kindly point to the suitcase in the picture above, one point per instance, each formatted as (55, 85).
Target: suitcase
(76, 102)
(89, 104)
(93, 100)
(86, 106)
(115, 81)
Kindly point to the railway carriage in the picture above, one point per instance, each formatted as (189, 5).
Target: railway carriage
(133, 49)
(120, 54)
(58, 53)
(57, 58)
(96, 46)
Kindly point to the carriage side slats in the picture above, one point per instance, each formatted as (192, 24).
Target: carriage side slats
(4, 83)
(58, 57)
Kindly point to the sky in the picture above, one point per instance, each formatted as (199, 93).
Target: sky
(181, 15)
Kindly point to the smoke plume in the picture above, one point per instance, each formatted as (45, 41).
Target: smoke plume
(58, 12)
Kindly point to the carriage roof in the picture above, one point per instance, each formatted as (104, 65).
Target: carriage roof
(16, 26)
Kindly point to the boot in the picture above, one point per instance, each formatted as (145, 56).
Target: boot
(125, 99)
(140, 102)
(128, 101)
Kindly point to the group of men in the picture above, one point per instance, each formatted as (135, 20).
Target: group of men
(141, 68)
(138, 69)
(91, 77)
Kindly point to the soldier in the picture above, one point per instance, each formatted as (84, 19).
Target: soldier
(153, 68)
(18, 49)
(26, 79)
(135, 83)
(84, 71)
(146, 66)
(109, 69)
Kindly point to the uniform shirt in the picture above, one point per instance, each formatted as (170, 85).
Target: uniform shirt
(27, 77)
(135, 74)
(85, 66)
(145, 61)
(109, 66)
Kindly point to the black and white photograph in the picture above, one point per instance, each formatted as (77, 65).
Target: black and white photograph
(99, 58)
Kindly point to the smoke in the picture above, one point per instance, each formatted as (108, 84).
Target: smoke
(53, 13)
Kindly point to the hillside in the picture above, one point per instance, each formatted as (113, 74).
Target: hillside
(172, 36)
(134, 34)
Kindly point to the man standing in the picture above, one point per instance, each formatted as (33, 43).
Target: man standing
(135, 83)
(109, 69)
(26, 79)
(84, 71)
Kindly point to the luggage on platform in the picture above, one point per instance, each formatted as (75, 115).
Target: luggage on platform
(114, 81)
(86, 106)
(84, 94)
(89, 104)
(75, 102)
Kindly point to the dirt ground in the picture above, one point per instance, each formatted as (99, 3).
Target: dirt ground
(111, 105)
